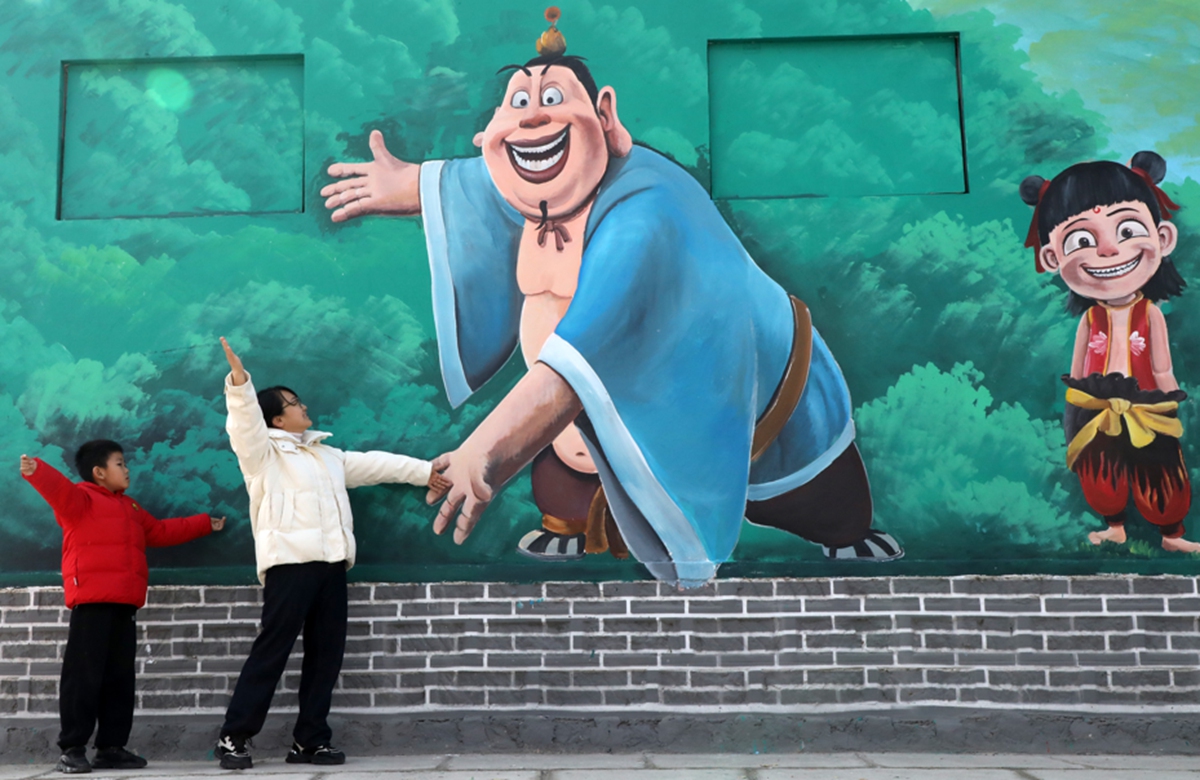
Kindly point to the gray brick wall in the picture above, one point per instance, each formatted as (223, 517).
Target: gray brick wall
(775, 644)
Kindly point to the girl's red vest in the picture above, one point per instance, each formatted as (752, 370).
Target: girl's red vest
(1099, 323)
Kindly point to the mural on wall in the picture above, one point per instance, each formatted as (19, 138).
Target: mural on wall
(1103, 227)
(689, 374)
(189, 129)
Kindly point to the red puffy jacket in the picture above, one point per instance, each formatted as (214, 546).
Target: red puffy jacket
(105, 536)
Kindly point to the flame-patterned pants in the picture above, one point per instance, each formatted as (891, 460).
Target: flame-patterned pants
(1110, 469)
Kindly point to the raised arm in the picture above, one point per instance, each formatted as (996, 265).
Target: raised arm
(386, 185)
(67, 499)
(245, 425)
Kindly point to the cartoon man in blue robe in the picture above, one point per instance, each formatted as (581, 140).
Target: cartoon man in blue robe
(673, 387)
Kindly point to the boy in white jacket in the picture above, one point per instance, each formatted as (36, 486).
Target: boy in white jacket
(303, 543)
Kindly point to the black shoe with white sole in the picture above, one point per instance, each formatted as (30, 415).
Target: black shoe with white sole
(74, 761)
(549, 546)
(325, 755)
(234, 752)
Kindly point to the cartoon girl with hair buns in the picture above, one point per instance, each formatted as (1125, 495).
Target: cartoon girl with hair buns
(1104, 228)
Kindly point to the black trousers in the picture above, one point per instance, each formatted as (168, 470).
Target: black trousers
(309, 596)
(98, 675)
(834, 508)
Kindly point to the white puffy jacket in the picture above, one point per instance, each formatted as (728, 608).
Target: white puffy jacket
(299, 509)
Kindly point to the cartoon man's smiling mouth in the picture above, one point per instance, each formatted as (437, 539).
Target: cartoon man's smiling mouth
(1114, 271)
(541, 159)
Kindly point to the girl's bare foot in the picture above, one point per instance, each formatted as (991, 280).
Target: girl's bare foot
(1114, 534)
(1179, 544)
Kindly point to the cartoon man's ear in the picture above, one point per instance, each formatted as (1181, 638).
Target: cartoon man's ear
(618, 138)
(1168, 236)
(478, 139)
(1049, 259)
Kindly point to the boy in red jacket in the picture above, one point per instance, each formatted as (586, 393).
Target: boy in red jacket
(105, 534)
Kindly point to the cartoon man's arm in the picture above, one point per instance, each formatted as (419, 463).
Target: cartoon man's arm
(386, 185)
(536, 410)
(1160, 350)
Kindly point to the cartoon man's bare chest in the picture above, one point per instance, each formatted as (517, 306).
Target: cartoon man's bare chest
(548, 278)
(542, 268)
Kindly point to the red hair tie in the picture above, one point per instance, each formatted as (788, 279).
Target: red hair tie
(1165, 204)
(1034, 239)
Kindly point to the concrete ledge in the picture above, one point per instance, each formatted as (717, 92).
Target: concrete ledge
(920, 729)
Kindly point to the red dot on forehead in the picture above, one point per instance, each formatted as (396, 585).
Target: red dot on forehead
(1096, 210)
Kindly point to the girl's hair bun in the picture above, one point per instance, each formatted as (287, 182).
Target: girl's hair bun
(1031, 189)
(1152, 163)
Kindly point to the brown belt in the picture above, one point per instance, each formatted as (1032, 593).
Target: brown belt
(791, 386)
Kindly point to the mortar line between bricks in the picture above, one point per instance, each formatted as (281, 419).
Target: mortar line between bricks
(658, 708)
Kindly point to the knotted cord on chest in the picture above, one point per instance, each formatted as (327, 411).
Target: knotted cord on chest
(557, 226)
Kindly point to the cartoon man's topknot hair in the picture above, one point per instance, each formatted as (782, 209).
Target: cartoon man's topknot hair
(552, 43)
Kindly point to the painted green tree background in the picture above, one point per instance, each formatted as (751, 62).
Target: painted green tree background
(950, 342)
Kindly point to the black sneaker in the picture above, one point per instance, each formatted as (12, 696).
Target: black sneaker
(233, 752)
(74, 761)
(325, 755)
(117, 758)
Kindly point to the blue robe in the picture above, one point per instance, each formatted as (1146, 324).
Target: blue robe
(675, 342)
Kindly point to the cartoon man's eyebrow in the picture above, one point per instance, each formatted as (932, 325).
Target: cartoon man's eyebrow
(521, 68)
(1118, 211)
(1076, 222)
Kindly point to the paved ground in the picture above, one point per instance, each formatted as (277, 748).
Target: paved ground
(658, 766)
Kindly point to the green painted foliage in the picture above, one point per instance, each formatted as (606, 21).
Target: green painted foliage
(950, 343)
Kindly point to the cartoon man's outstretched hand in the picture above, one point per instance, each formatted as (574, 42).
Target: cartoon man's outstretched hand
(386, 185)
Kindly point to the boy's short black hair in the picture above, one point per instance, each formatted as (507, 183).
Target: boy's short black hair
(570, 61)
(92, 454)
(271, 401)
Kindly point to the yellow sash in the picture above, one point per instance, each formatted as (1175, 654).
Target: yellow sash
(1142, 420)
